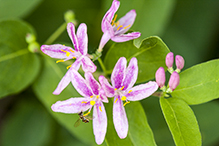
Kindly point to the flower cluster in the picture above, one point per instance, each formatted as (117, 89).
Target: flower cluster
(94, 93)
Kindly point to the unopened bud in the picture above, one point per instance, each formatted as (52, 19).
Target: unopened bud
(160, 77)
(179, 63)
(33, 47)
(30, 38)
(169, 59)
(174, 81)
(70, 16)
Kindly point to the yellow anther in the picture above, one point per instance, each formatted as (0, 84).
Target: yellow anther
(126, 103)
(91, 96)
(74, 51)
(117, 23)
(113, 21)
(84, 102)
(68, 66)
(63, 45)
(92, 102)
(115, 89)
(123, 98)
(60, 61)
(67, 53)
(74, 57)
(127, 26)
(122, 88)
(98, 96)
(100, 108)
(116, 100)
(86, 114)
(119, 27)
(130, 91)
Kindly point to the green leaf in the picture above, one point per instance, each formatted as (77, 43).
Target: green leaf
(46, 83)
(151, 55)
(199, 84)
(181, 121)
(16, 8)
(139, 131)
(18, 66)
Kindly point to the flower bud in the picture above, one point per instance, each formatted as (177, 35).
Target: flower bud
(169, 60)
(34, 47)
(179, 63)
(30, 38)
(70, 16)
(174, 81)
(160, 77)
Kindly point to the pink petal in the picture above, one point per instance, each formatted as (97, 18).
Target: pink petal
(88, 65)
(76, 65)
(141, 91)
(103, 96)
(109, 90)
(131, 73)
(126, 37)
(99, 122)
(105, 38)
(95, 86)
(72, 105)
(82, 38)
(118, 73)
(119, 118)
(71, 33)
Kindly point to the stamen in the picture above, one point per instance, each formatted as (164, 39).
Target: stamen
(126, 103)
(60, 61)
(74, 57)
(91, 96)
(84, 102)
(122, 88)
(123, 98)
(100, 108)
(127, 26)
(68, 66)
(115, 89)
(67, 53)
(98, 96)
(113, 21)
(117, 23)
(116, 100)
(74, 51)
(119, 27)
(86, 114)
(130, 91)
(63, 45)
(92, 102)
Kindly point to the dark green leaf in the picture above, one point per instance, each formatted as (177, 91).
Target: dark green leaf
(18, 66)
(181, 121)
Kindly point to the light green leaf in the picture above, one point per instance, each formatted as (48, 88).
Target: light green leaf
(16, 8)
(199, 84)
(139, 131)
(18, 66)
(46, 83)
(181, 121)
(151, 55)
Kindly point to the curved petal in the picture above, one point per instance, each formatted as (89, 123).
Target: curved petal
(105, 38)
(108, 89)
(82, 38)
(110, 14)
(131, 73)
(76, 65)
(71, 33)
(58, 51)
(72, 105)
(88, 65)
(118, 74)
(141, 91)
(119, 118)
(63, 83)
(126, 21)
(126, 37)
(94, 85)
(99, 122)
(80, 84)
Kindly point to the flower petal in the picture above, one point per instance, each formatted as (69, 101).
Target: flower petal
(76, 65)
(82, 38)
(131, 73)
(88, 65)
(103, 96)
(110, 14)
(119, 118)
(58, 51)
(126, 37)
(141, 91)
(71, 33)
(94, 85)
(72, 105)
(126, 21)
(99, 122)
(106, 37)
(109, 90)
(80, 84)
(118, 73)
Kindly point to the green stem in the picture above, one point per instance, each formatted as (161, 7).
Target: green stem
(14, 55)
(56, 34)
(102, 65)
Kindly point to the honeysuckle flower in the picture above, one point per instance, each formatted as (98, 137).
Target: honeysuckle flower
(160, 77)
(93, 96)
(169, 61)
(115, 30)
(173, 81)
(123, 78)
(80, 41)
(179, 63)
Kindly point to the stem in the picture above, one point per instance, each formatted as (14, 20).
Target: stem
(56, 34)
(102, 66)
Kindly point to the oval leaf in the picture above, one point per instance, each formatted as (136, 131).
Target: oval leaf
(199, 84)
(181, 121)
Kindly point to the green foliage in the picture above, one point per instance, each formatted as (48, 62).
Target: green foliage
(18, 66)
(151, 55)
(181, 121)
(199, 84)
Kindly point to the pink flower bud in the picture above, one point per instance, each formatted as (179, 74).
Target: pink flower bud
(169, 59)
(174, 81)
(160, 77)
(179, 62)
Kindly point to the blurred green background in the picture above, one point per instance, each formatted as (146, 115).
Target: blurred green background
(190, 28)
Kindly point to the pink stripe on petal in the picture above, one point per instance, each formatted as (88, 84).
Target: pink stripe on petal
(109, 90)
(118, 74)
(88, 65)
(126, 37)
(71, 33)
(82, 38)
(72, 105)
(119, 118)
(99, 122)
(95, 86)
(141, 91)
